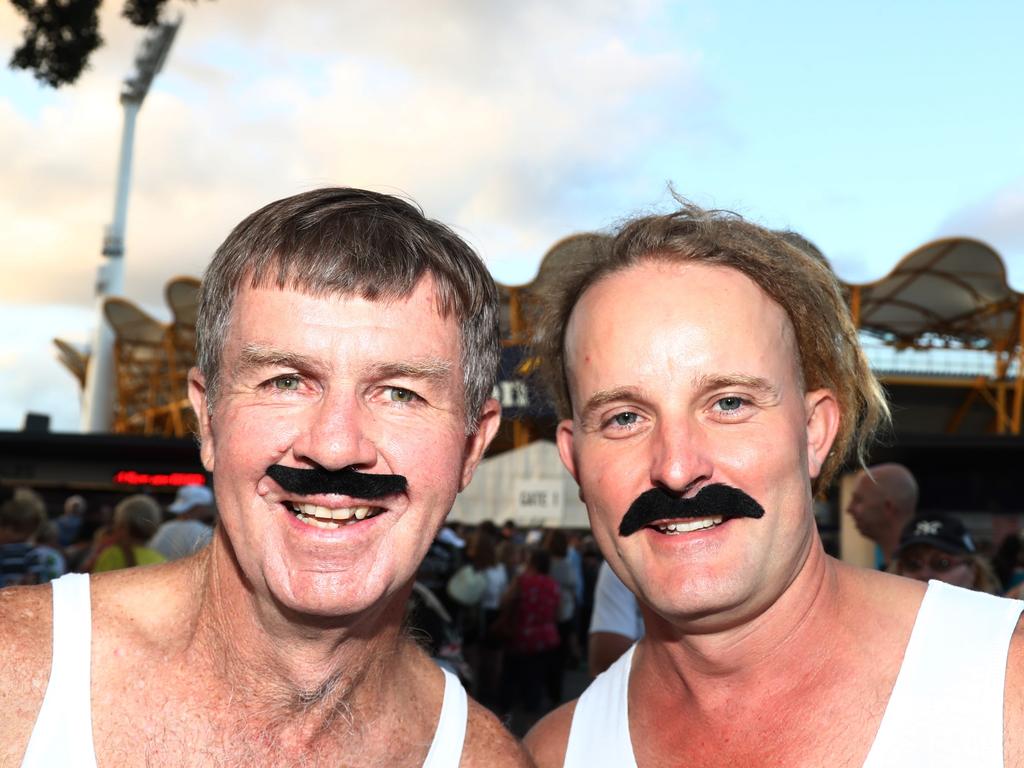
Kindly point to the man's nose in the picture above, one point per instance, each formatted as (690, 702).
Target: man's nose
(338, 433)
(680, 457)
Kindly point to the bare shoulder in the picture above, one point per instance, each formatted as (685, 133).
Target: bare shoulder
(884, 603)
(488, 744)
(26, 628)
(148, 606)
(1013, 700)
(548, 739)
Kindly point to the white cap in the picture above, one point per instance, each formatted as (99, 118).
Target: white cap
(191, 496)
(447, 536)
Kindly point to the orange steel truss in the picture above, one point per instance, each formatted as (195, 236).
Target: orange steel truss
(950, 293)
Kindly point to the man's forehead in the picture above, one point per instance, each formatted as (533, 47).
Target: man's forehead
(265, 316)
(687, 320)
(647, 294)
(424, 290)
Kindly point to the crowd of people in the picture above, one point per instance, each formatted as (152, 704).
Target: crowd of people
(507, 611)
(36, 548)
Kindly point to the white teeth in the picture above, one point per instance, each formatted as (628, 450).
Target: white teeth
(317, 523)
(322, 517)
(684, 526)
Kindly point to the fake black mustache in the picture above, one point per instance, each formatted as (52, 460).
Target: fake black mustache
(347, 482)
(711, 501)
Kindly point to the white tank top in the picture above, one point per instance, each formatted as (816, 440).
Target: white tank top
(62, 735)
(63, 730)
(946, 708)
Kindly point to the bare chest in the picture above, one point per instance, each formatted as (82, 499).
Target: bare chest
(159, 721)
(836, 730)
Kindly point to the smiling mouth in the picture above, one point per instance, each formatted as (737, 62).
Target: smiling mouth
(322, 517)
(685, 526)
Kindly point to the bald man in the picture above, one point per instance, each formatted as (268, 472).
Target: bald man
(884, 501)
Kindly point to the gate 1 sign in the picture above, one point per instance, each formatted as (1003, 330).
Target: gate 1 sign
(538, 501)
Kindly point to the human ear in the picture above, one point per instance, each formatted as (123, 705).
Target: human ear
(476, 443)
(563, 439)
(197, 396)
(822, 425)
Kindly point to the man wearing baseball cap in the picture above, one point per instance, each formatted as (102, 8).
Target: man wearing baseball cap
(939, 547)
(191, 528)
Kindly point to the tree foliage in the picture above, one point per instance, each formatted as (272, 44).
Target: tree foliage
(61, 35)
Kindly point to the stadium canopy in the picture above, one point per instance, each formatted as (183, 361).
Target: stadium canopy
(950, 300)
(944, 315)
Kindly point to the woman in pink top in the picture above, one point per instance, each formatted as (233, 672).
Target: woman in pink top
(530, 650)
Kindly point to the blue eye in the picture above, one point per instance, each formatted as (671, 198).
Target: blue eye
(627, 419)
(730, 403)
(287, 383)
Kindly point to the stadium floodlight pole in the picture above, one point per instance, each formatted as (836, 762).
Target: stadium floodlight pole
(98, 397)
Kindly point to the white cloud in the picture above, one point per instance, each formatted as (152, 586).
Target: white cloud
(34, 379)
(999, 221)
(511, 121)
(484, 113)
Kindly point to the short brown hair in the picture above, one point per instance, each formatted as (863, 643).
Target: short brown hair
(351, 241)
(830, 355)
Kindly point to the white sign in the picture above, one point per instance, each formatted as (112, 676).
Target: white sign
(539, 501)
(512, 394)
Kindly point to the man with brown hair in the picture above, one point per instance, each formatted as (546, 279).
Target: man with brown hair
(347, 348)
(710, 383)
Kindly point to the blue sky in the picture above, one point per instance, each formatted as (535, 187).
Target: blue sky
(870, 128)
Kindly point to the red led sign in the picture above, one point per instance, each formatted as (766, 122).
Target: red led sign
(175, 479)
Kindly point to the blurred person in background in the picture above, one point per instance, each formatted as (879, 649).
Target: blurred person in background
(191, 528)
(1008, 563)
(556, 543)
(510, 557)
(70, 521)
(20, 519)
(884, 500)
(939, 547)
(488, 675)
(533, 599)
(136, 519)
(47, 551)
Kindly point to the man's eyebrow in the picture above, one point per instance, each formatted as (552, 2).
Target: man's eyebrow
(433, 369)
(603, 397)
(709, 382)
(255, 356)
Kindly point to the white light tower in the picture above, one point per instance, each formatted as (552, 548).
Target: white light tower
(98, 398)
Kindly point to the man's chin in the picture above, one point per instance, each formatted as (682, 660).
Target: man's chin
(332, 596)
(686, 594)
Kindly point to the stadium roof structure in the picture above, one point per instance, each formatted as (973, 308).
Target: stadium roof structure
(151, 362)
(943, 317)
(948, 304)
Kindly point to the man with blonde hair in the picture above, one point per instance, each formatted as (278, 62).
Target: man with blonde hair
(710, 383)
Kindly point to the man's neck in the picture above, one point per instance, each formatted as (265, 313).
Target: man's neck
(290, 664)
(785, 646)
